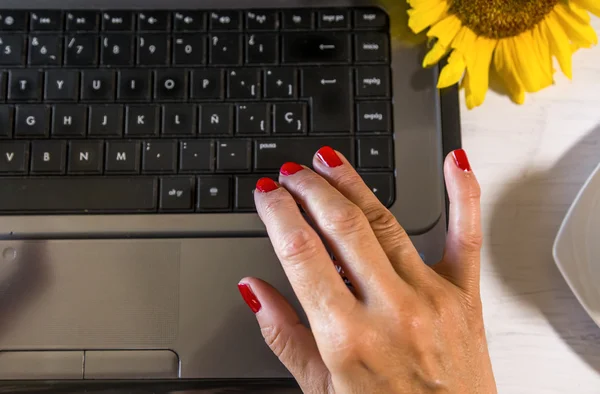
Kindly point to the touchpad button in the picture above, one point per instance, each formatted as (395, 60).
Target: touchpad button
(81, 294)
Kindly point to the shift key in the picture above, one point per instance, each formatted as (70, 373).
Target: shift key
(271, 153)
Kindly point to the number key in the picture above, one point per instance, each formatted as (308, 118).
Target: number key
(11, 50)
(81, 50)
(153, 50)
(45, 50)
(189, 49)
(117, 50)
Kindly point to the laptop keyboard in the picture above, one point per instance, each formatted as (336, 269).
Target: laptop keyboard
(166, 112)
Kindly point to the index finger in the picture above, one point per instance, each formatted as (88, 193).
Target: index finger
(310, 270)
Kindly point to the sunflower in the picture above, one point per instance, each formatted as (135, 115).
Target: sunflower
(515, 40)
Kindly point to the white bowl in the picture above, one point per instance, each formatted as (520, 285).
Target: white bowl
(577, 247)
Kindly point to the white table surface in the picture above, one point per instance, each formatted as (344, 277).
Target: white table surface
(531, 161)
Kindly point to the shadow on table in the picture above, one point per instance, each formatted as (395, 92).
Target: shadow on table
(524, 223)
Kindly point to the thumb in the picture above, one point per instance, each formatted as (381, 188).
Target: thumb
(463, 244)
(291, 341)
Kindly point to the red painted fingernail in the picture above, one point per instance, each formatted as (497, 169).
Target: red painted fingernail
(461, 160)
(265, 185)
(328, 156)
(290, 169)
(249, 297)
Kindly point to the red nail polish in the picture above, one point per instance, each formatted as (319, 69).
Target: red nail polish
(290, 169)
(249, 297)
(461, 160)
(328, 156)
(265, 185)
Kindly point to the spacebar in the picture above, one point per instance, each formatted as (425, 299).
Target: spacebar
(78, 195)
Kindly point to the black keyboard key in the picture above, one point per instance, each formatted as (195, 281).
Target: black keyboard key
(371, 18)
(69, 121)
(134, 85)
(11, 20)
(154, 21)
(159, 157)
(234, 155)
(374, 116)
(153, 50)
(375, 152)
(253, 119)
(6, 121)
(32, 121)
(82, 21)
(142, 120)
(179, 119)
(272, 153)
(24, 85)
(334, 19)
(46, 21)
(208, 84)
(106, 121)
(2, 85)
(196, 156)
(45, 50)
(116, 50)
(244, 191)
(373, 81)
(216, 119)
(213, 193)
(319, 48)
(289, 118)
(14, 159)
(225, 20)
(382, 185)
(123, 157)
(79, 194)
(177, 194)
(117, 21)
(280, 83)
(48, 157)
(81, 50)
(98, 85)
(243, 84)
(262, 49)
(86, 157)
(225, 49)
(262, 20)
(298, 19)
(331, 93)
(170, 85)
(189, 21)
(12, 50)
(61, 85)
(189, 49)
(371, 47)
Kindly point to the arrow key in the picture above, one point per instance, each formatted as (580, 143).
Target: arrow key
(382, 185)
(289, 118)
(177, 194)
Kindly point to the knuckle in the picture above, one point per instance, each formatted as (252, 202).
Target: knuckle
(348, 180)
(274, 206)
(298, 245)
(345, 218)
(473, 192)
(275, 338)
(470, 241)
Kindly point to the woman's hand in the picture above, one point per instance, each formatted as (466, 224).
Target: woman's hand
(407, 328)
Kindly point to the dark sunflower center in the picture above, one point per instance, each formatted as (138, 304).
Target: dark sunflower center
(501, 18)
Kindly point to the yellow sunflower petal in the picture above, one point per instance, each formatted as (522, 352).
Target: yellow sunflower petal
(453, 71)
(559, 44)
(580, 13)
(445, 30)
(592, 5)
(583, 35)
(540, 41)
(527, 62)
(468, 86)
(423, 16)
(478, 67)
(435, 54)
(505, 68)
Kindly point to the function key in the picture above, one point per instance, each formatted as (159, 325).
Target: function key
(298, 20)
(373, 81)
(13, 20)
(82, 21)
(371, 47)
(189, 21)
(46, 21)
(262, 20)
(225, 20)
(371, 18)
(117, 21)
(154, 21)
(334, 19)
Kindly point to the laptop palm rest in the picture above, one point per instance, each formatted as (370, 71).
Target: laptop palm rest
(131, 308)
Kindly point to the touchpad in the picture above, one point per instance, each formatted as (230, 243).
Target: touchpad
(89, 294)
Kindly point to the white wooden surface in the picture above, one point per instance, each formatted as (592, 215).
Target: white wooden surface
(531, 161)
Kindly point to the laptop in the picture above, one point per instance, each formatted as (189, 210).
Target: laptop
(132, 134)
